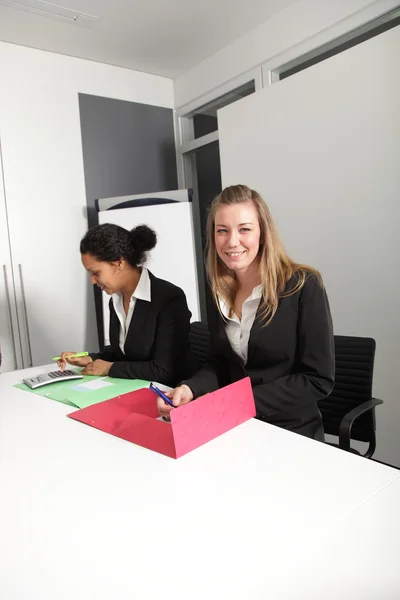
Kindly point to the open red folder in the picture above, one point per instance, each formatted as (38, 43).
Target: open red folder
(134, 417)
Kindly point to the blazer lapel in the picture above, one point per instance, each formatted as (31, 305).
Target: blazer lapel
(255, 332)
(137, 326)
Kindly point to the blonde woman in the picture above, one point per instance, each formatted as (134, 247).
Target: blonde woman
(269, 318)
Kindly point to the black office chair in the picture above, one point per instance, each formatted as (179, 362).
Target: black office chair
(199, 342)
(349, 411)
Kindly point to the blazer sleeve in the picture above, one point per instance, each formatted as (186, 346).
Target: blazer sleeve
(314, 374)
(206, 380)
(169, 350)
(210, 376)
(108, 354)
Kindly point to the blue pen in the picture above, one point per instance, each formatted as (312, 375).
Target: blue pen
(161, 394)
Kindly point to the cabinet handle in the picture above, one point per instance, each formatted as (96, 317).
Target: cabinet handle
(26, 316)
(10, 315)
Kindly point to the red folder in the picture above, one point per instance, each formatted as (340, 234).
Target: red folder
(133, 417)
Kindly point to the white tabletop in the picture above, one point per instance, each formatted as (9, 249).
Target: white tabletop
(355, 559)
(85, 515)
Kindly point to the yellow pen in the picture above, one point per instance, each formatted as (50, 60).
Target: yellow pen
(73, 355)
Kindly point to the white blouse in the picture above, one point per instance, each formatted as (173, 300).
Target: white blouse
(142, 292)
(238, 330)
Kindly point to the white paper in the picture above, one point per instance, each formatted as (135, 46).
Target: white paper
(96, 384)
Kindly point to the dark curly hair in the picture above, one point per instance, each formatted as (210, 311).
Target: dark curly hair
(109, 243)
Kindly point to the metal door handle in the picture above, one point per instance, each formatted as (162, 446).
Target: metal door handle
(26, 316)
(10, 314)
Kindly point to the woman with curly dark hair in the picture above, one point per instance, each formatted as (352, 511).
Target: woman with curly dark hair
(149, 317)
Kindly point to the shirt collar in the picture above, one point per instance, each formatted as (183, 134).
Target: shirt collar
(143, 288)
(255, 295)
(142, 291)
(225, 309)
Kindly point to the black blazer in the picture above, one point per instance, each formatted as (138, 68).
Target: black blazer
(157, 341)
(290, 361)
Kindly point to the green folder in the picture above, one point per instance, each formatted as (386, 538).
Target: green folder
(78, 392)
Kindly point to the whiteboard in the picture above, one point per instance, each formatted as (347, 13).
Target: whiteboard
(323, 148)
(173, 258)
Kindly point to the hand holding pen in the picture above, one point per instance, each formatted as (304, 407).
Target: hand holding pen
(168, 400)
(80, 359)
(161, 395)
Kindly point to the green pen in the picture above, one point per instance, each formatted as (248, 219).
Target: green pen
(73, 355)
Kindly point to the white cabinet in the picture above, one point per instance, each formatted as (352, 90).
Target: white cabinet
(9, 327)
(42, 219)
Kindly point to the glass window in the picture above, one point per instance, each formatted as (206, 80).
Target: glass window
(205, 117)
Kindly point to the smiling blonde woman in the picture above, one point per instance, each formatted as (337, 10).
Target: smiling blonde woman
(268, 317)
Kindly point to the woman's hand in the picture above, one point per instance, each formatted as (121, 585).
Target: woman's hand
(179, 396)
(83, 361)
(97, 367)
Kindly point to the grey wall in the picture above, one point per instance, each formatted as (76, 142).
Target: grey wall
(128, 148)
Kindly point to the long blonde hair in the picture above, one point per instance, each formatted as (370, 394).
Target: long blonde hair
(276, 268)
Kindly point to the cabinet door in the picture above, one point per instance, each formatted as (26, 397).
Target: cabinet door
(10, 347)
(44, 182)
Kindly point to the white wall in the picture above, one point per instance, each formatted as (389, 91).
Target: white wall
(323, 148)
(300, 28)
(44, 180)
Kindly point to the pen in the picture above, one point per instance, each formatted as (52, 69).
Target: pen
(161, 394)
(73, 355)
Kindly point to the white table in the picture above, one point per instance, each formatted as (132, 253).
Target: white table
(356, 558)
(85, 515)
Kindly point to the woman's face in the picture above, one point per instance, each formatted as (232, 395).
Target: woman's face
(237, 235)
(107, 276)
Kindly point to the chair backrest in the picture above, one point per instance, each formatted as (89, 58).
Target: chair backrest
(199, 340)
(354, 369)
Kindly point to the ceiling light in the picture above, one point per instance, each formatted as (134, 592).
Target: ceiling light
(52, 11)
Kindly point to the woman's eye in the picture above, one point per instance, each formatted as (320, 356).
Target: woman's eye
(244, 229)
(221, 230)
